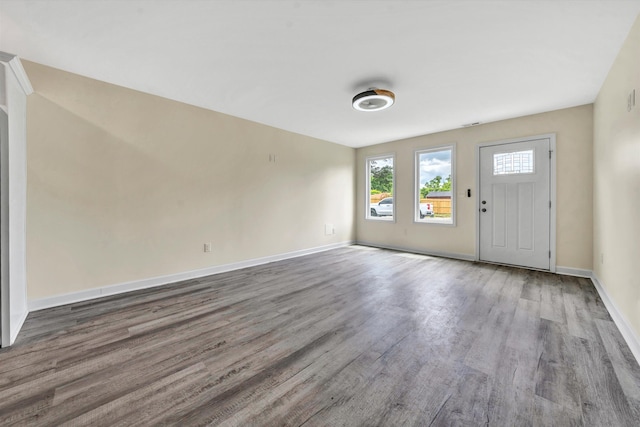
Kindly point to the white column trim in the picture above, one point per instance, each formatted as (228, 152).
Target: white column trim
(15, 65)
(13, 140)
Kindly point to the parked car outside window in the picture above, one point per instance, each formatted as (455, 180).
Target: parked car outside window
(383, 208)
(426, 209)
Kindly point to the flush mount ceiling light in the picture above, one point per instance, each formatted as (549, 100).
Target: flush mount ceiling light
(373, 100)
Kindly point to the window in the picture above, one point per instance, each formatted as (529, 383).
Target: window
(512, 163)
(435, 201)
(380, 184)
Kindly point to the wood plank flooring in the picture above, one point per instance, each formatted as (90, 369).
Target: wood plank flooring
(352, 336)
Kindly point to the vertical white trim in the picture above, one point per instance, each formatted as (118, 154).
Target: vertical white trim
(13, 170)
(477, 163)
(5, 307)
(552, 190)
(552, 197)
(18, 71)
(416, 185)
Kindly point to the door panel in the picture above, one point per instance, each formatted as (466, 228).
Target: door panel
(499, 203)
(514, 208)
(526, 199)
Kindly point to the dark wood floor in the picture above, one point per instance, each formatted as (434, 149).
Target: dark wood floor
(354, 336)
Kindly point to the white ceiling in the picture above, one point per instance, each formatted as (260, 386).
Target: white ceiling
(296, 65)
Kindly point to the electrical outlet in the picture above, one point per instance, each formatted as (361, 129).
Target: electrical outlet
(601, 258)
(329, 229)
(207, 247)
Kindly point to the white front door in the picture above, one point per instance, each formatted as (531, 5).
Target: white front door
(515, 203)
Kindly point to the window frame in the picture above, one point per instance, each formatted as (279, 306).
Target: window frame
(416, 183)
(367, 177)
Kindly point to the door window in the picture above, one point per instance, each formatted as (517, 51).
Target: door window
(513, 162)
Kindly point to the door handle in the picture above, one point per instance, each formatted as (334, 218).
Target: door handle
(484, 202)
(484, 209)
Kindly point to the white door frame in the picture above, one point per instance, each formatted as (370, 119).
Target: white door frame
(552, 191)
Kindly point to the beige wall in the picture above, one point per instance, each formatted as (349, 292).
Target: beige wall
(125, 186)
(574, 138)
(616, 250)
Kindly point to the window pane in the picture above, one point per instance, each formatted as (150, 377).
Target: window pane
(514, 162)
(380, 186)
(435, 186)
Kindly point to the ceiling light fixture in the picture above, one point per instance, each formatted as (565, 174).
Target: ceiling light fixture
(373, 100)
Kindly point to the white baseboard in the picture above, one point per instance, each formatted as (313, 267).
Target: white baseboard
(629, 335)
(463, 257)
(570, 271)
(58, 300)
